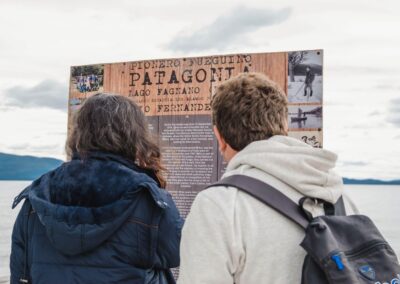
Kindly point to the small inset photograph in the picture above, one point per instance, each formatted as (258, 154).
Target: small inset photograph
(313, 138)
(87, 78)
(305, 117)
(305, 76)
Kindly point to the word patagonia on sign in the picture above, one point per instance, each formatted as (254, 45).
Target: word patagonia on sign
(187, 76)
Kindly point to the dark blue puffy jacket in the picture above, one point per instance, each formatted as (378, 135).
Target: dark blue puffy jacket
(98, 220)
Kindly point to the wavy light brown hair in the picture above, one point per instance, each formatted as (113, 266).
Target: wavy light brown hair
(115, 124)
(249, 107)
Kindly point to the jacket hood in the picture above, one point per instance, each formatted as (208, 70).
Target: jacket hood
(83, 202)
(308, 170)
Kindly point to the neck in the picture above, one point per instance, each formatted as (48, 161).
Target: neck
(229, 154)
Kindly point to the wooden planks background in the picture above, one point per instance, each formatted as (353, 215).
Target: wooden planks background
(206, 73)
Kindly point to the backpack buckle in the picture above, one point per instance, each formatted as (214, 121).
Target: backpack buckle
(338, 261)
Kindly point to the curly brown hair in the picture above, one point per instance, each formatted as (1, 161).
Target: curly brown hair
(249, 107)
(115, 124)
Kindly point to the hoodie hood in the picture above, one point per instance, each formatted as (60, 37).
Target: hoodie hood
(308, 170)
(83, 202)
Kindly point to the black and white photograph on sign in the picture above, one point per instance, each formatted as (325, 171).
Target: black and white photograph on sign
(305, 76)
(87, 78)
(304, 116)
(313, 138)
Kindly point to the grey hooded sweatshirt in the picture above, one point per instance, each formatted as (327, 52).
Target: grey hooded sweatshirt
(230, 237)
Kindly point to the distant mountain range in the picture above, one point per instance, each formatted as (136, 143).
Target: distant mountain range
(14, 167)
(371, 181)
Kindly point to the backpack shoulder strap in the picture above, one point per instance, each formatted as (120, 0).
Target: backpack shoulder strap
(340, 209)
(268, 195)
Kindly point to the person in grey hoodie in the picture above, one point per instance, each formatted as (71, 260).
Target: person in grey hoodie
(231, 237)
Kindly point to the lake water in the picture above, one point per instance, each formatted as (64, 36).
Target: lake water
(380, 203)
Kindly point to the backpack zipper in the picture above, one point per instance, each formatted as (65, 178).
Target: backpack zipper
(335, 256)
(360, 251)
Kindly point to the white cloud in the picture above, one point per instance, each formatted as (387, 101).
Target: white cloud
(33, 132)
(228, 29)
(394, 112)
(48, 93)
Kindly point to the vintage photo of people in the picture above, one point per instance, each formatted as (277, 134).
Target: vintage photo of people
(305, 76)
(86, 79)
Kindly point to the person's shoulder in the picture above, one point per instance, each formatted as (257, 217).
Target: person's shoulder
(217, 193)
(216, 198)
(212, 207)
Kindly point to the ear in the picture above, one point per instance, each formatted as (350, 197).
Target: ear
(286, 125)
(221, 141)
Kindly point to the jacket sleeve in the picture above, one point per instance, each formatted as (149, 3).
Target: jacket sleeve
(207, 254)
(19, 248)
(169, 236)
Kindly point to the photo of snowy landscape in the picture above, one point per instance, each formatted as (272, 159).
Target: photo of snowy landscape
(305, 76)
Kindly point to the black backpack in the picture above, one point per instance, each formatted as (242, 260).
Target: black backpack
(340, 249)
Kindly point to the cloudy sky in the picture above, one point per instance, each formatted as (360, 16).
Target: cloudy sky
(41, 39)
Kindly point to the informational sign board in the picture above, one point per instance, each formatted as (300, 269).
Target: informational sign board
(175, 96)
